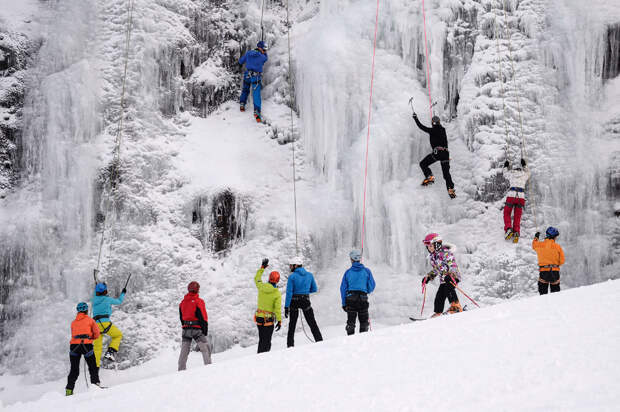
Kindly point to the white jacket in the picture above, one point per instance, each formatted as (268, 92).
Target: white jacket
(517, 179)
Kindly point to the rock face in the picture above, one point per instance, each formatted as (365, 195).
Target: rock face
(611, 60)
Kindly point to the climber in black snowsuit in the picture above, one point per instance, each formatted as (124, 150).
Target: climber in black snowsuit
(439, 144)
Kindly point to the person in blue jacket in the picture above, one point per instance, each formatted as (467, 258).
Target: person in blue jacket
(102, 309)
(298, 288)
(356, 284)
(254, 61)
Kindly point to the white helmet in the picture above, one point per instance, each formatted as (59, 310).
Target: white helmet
(297, 260)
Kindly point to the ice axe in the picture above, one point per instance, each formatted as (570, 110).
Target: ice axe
(127, 282)
(411, 104)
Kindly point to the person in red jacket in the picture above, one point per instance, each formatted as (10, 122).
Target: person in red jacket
(195, 324)
(84, 331)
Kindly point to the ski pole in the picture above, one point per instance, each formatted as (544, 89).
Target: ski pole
(424, 299)
(453, 282)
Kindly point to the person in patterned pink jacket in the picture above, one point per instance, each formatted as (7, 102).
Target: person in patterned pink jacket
(443, 263)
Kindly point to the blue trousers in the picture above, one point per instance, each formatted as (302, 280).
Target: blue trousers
(254, 83)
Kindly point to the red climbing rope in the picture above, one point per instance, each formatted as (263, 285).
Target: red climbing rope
(372, 82)
(428, 73)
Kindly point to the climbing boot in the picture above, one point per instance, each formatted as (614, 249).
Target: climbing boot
(455, 307)
(242, 107)
(68, 392)
(257, 117)
(451, 193)
(109, 355)
(428, 181)
(508, 234)
(515, 237)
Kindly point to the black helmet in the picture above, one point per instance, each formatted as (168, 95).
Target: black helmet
(436, 120)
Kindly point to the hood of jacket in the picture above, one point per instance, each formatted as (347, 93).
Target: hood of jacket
(357, 267)
(301, 272)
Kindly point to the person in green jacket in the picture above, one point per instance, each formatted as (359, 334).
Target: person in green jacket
(269, 307)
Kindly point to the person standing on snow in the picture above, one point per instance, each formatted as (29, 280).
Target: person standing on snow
(443, 263)
(439, 144)
(550, 258)
(253, 76)
(195, 324)
(356, 284)
(269, 307)
(83, 332)
(515, 199)
(102, 310)
(298, 288)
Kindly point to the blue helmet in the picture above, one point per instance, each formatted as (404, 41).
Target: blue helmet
(355, 255)
(82, 307)
(261, 45)
(552, 232)
(101, 287)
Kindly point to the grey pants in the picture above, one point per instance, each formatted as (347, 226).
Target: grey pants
(188, 335)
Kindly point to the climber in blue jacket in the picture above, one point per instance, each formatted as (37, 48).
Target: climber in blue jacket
(254, 61)
(356, 284)
(299, 286)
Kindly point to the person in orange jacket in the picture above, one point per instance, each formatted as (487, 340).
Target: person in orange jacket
(550, 258)
(84, 331)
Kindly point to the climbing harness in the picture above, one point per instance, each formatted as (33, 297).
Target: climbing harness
(291, 104)
(118, 141)
(372, 82)
(428, 73)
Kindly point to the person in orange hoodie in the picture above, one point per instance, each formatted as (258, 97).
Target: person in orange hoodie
(550, 258)
(84, 331)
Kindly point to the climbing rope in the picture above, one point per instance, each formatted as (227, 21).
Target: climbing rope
(501, 81)
(515, 87)
(262, 13)
(372, 82)
(301, 316)
(428, 71)
(291, 104)
(119, 136)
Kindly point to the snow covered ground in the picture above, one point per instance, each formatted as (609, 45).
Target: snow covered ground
(553, 353)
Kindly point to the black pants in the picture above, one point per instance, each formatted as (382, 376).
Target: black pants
(264, 338)
(301, 302)
(549, 280)
(357, 306)
(442, 156)
(75, 353)
(446, 290)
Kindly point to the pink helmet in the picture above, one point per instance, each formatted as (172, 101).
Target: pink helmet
(432, 238)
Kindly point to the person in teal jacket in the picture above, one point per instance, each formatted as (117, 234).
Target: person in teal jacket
(298, 288)
(269, 309)
(102, 309)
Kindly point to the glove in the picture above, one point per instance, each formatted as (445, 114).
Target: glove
(414, 115)
(124, 290)
(523, 162)
(286, 312)
(205, 329)
(278, 325)
(344, 308)
(537, 235)
(506, 164)
(265, 263)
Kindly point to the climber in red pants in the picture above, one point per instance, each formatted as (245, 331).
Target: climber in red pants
(515, 199)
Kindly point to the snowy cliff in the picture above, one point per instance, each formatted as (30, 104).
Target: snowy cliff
(203, 193)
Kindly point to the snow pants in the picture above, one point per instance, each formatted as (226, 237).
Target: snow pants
(112, 332)
(549, 280)
(442, 156)
(301, 302)
(516, 204)
(187, 336)
(76, 351)
(264, 337)
(357, 306)
(445, 291)
(254, 83)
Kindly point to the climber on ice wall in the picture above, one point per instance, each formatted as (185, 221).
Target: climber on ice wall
(439, 144)
(515, 199)
(442, 260)
(102, 310)
(252, 78)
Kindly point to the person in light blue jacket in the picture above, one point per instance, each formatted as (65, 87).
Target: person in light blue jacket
(102, 309)
(356, 284)
(299, 286)
(253, 76)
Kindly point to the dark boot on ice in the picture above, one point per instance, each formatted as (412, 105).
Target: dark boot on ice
(428, 181)
(451, 193)
(508, 234)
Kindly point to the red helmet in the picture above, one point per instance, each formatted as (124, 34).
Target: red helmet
(193, 287)
(274, 277)
(431, 238)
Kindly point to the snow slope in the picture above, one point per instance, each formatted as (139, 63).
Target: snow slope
(542, 353)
